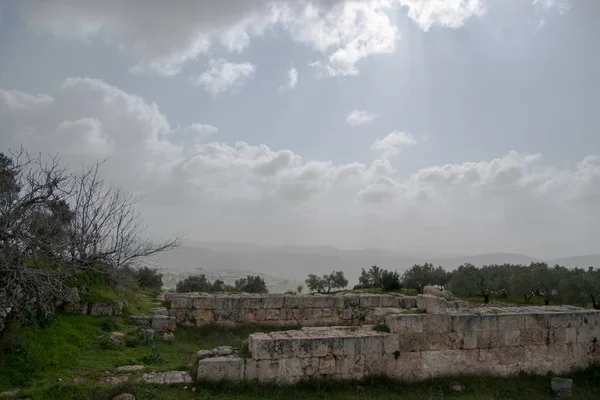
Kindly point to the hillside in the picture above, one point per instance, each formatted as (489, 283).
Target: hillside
(294, 263)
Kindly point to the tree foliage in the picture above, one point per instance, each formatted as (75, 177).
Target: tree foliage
(149, 278)
(251, 284)
(327, 282)
(377, 278)
(420, 276)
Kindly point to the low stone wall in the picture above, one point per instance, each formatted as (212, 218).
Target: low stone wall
(491, 341)
(285, 310)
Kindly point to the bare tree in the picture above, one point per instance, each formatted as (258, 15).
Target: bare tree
(107, 230)
(55, 225)
(30, 194)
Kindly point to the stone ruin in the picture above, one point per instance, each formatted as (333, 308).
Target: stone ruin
(353, 336)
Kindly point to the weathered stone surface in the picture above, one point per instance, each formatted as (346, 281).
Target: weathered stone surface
(279, 310)
(124, 396)
(147, 335)
(561, 386)
(106, 309)
(500, 341)
(432, 290)
(169, 377)
(160, 311)
(163, 323)
(129, 368)
(168, 337)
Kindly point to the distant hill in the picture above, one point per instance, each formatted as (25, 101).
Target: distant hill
(293, 263)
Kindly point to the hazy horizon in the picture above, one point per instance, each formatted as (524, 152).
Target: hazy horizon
(416, 126)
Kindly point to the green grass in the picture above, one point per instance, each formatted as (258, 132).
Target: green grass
(76, 345)
(381, 327)
(586, 386)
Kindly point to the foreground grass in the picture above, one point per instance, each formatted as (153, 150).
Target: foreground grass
(586, 386)
(74, 346)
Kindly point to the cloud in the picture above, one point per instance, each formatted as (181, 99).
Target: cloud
(241, 191)
(359, 117)
(203, 128)
(223, 76)
(391, 144)
(16, 100)
(445, 13)
(292, 76)
(161, 37)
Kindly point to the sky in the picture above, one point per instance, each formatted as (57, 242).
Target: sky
(428, 126)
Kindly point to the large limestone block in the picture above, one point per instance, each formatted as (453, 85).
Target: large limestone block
(389, 301)
(181, 301)
(405, 324)
(272, 301)
(250, 301)
(432, 304)
(446, 294)
(221, 368)
(163, 323)
(369, 301)
(203, 302)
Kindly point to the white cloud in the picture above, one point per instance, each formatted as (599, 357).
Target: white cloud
(16, 100)
(446, 13)
(359, 117)
(292, 76)
(161, 37)
(222, 76)
(203, 128)
(241, 191)
(391, 144)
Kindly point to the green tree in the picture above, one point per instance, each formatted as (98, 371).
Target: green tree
(251, 284)
(194, 283)
(327, 282)
(149, 278)
(420, 276)
(470, 281)
(390, 280)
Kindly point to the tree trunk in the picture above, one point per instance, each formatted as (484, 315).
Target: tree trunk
(486, 298)
(594, 304)
(546, 302)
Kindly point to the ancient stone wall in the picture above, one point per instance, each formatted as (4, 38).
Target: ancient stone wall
(285, 310)
(496, 341)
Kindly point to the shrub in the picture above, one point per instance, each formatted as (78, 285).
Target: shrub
(149, 278)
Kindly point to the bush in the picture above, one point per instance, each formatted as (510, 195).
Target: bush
(390, 280)
(149, 278)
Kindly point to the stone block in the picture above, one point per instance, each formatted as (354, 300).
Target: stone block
(249, 301)
(512, 337)
(327, 365)
(405, 324)
(272, 314)
(221, 369)
(181, 301)
(389, 301)
(161, 323)
(272, 301)
(432, 304)
(369, 301)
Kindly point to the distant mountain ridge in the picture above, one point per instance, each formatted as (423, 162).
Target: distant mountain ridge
(296, 262)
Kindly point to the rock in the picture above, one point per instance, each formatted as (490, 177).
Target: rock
(10, 393)
(456, 387)
(169, 337)
(114, 340)
(446, 294)
(74, 296)
(561, 386)
(160, 311)
(141, 320)
(129, 368)
(117, 380)
(168, 377)
(79, 379)
(163, 323)
(202, 354)
(147, 335)
(119, 335)
(124, 396)
(223, 351)
(106, 309)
